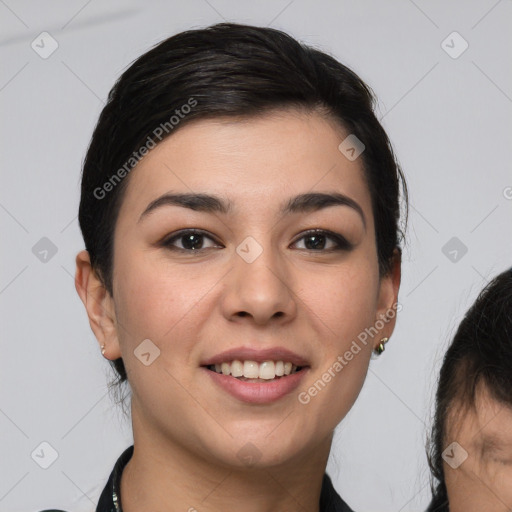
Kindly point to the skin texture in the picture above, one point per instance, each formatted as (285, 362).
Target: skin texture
(484, 480)
(315, 302)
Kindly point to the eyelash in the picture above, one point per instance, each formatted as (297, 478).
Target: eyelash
(341, 243)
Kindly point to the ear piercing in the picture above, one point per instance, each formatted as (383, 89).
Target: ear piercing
(380, 348)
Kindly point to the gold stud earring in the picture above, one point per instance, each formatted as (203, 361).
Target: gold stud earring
(103, 350)
(380, 348)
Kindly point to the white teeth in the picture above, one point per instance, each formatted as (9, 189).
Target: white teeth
(267, 370)
(251, 370)
(237, 369)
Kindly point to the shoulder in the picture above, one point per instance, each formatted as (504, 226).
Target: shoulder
(330, 500)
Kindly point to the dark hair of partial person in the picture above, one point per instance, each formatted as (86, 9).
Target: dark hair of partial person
(232, 71)
(479, 355)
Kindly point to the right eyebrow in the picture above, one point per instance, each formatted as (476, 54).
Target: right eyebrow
(197, 202)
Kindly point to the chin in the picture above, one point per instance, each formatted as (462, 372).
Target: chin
(258, 452)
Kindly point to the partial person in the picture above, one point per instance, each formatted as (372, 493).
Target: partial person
(470, 450)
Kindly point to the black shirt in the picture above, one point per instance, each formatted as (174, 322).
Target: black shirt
(110, 499)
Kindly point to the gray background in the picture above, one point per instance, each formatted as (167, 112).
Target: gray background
(449, 120)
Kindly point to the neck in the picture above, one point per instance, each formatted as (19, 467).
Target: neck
(163, 476)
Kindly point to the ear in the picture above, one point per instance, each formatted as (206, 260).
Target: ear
(99, 305)
(388, 306)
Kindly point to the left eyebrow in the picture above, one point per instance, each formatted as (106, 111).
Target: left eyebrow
(315, 201)
(302, 203)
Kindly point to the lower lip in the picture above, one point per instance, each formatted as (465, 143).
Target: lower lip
(255, 392)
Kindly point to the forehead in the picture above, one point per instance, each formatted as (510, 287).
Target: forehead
(250, 161)
(484, 429)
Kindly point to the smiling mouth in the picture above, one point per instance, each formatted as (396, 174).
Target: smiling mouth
(252, 371)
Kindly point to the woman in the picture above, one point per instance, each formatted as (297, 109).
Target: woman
(471, 447)
(240, 211)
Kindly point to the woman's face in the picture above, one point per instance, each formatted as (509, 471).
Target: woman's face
(478, 468)
(251, 285)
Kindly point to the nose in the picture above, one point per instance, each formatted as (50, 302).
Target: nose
(260, 290)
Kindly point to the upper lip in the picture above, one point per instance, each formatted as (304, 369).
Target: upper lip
(257, 355)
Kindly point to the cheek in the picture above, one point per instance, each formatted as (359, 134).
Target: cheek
(155, 300)
(474, 489)
(343, 306)
(344, 300)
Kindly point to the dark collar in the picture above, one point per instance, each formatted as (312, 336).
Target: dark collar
(110, 499)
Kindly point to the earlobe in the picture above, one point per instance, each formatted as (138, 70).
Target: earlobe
(99, 305)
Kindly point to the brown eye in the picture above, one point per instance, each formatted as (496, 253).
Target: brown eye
(316, 240)
(191, 240)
